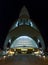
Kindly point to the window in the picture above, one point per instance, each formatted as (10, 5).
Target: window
(24, 41)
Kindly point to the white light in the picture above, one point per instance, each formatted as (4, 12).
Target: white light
(9, 40)
(31, 24)
(17, 24)
(4, 57)
(38, 40)
(36, 52)
(44, 57)
(24, 41)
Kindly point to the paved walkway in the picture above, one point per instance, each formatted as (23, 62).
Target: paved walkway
(24, 60)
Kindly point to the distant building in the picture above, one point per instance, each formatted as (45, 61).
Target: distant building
(24, 33)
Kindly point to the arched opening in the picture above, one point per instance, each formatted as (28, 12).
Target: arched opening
(24, 41)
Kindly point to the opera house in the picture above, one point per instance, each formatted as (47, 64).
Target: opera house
(24, 44)
(24, 34)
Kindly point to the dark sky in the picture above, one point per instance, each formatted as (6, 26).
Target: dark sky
(9, 12)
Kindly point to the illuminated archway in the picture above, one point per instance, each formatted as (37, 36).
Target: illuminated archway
(24, 41)
(24, 26)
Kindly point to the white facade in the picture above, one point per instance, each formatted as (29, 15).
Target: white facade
(24, 41)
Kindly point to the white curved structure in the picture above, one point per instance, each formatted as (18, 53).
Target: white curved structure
(26, 26)
(24, 41)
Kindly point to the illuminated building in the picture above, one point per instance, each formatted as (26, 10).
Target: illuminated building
(24, 33)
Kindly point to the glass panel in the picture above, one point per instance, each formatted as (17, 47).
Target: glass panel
(24, 41)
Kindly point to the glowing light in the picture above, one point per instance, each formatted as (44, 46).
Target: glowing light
(9, 40)
(38, 40)
(4, 57)
(16, 24)
(23, 49)
(11, 52)
(24, 41)
(31, 24)
(36, 52)
(44, 57)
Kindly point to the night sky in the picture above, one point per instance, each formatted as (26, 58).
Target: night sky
(9, 12)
